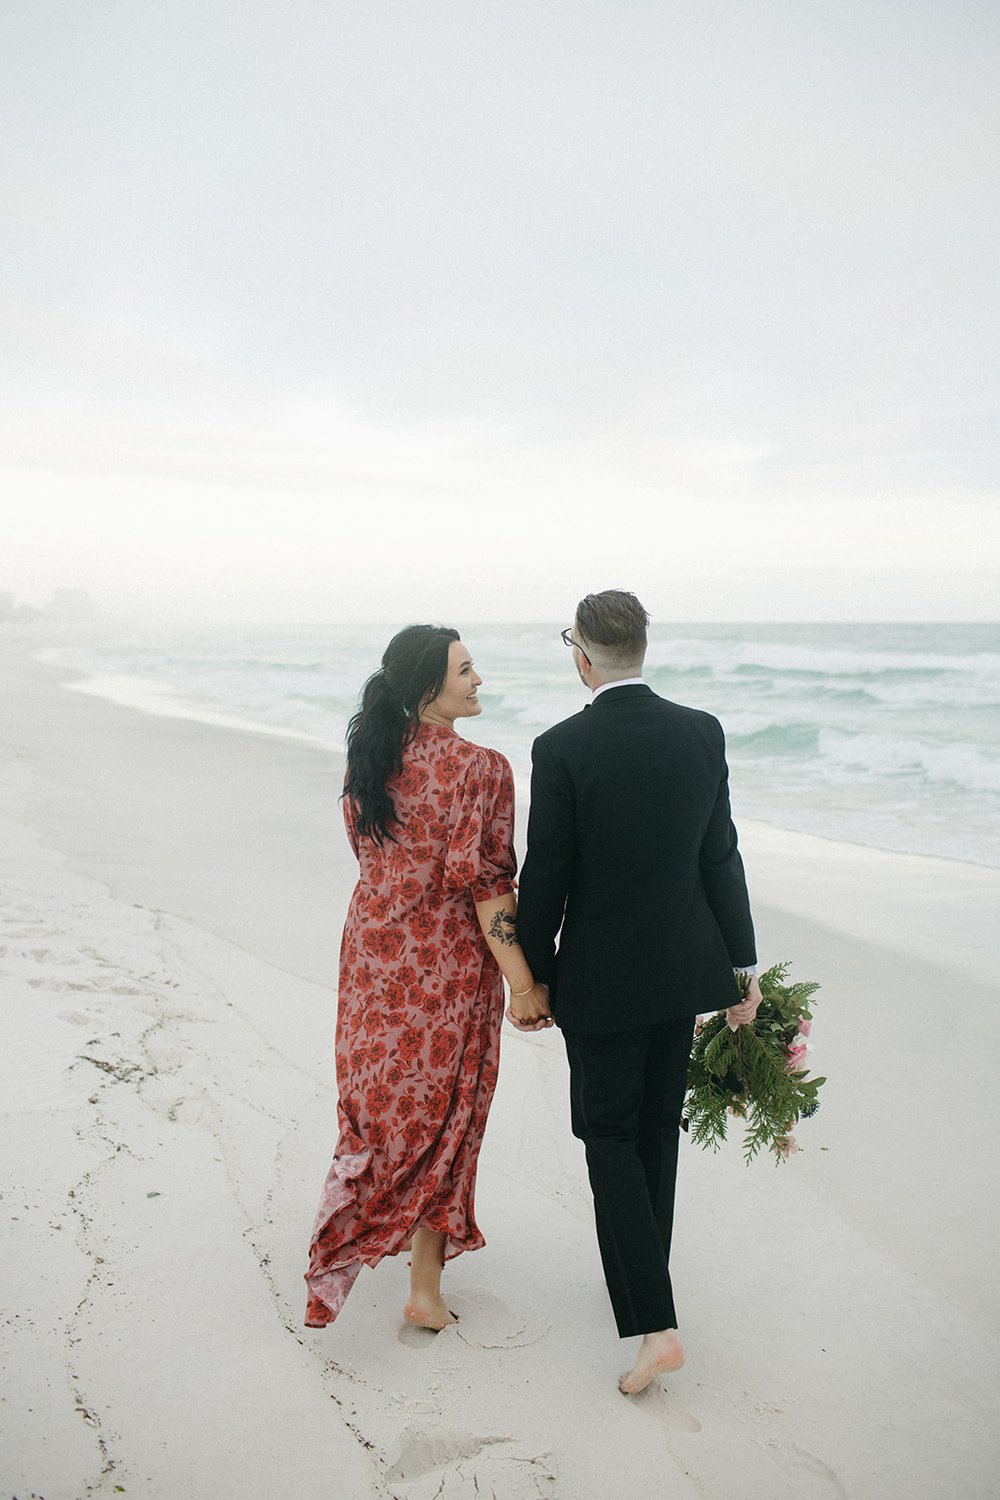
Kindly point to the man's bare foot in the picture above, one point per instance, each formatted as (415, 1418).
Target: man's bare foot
(658, 1354)
(428, 1312)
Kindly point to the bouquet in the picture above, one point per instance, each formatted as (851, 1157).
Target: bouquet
(756, 1073)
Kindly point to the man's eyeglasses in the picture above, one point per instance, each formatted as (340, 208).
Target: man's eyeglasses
(568, 640)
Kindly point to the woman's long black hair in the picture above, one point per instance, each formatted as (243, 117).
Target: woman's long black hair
(413, 671)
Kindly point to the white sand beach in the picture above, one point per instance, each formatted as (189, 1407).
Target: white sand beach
(172, 894)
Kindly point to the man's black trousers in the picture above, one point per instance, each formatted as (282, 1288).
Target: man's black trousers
(626, 1096)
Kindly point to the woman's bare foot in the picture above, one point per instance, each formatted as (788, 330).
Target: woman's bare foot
(658, 1354)
(426, 1308)
(428, 1312)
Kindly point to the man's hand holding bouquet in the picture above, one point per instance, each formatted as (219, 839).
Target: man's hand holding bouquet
(749, 1062)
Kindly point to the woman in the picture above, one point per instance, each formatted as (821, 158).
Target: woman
(429, 933)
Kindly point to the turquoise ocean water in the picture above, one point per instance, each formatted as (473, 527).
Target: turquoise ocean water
(886, 735)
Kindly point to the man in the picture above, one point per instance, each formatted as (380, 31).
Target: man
(632, 861)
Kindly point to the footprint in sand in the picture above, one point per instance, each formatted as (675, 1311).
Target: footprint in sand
(418, 1338)
(437, 1464)
(801, 1465)
(490, 1478)
(421, 1451)
(484, 1322)
(487, 1322)
(677, 1420)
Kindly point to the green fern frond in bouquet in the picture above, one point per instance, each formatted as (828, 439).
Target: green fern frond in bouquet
(757, 1073)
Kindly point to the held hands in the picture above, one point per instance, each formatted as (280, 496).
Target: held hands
(531, 1012)
(744, 1013)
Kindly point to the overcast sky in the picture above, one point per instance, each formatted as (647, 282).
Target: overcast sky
(371, 310)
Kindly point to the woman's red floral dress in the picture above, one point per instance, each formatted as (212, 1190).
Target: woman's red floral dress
(418, 1018)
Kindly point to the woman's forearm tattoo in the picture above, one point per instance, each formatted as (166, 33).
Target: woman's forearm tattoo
(503, 927)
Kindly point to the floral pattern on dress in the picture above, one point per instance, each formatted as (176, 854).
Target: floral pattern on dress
(419, 1011)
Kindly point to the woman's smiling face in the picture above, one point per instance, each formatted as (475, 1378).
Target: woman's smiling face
(458, 698)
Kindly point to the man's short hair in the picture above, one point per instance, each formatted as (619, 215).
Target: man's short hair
(615, 623)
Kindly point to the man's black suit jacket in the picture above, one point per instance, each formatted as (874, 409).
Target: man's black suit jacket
(632, 860)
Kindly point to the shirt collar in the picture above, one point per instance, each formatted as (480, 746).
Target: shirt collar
(622, 682)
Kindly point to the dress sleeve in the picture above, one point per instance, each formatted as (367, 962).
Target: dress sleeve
(480, 855)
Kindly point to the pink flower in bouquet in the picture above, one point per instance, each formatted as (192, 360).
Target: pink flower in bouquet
(786, 1146)
(797, 1057)
(805, 1027)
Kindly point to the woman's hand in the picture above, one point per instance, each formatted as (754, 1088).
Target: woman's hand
(531, 1012)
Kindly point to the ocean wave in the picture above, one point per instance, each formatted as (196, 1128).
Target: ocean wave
(946, 691)
(799, 739)
(958, 765)
(891, 732)
(750, 657)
